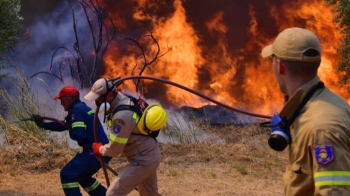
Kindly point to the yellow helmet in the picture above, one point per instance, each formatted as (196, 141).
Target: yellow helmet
(153, 119)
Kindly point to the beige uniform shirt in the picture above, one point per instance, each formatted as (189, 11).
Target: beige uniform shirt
(126, 139)
(319, 155)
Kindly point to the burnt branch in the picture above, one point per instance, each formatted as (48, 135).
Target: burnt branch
(101, 35)
(45, 72)
(103, 38)
(62, 64)
(146, 63)
(80, 59)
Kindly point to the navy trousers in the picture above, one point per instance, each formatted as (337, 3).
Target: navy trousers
(79, 171)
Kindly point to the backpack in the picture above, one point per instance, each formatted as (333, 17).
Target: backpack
(139, 107)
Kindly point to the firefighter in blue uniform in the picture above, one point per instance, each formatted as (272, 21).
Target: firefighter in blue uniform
(84, 165)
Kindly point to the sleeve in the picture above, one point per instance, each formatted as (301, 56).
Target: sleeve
(54, 126)
(78, 132)
(119, 136)
(331, 162)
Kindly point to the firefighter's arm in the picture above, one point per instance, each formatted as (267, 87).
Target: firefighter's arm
(331, 162)
(78, 132)
(120, 133)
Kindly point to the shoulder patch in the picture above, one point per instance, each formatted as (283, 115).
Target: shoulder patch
(116, 129)
(324, 153)
(119, 121)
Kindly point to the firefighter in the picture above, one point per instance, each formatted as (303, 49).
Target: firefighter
(84, 165)
(318, 131)
(141, 150)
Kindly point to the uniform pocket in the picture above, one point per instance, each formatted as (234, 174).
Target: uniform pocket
(297, 180)
(296, 173)
(298, 169)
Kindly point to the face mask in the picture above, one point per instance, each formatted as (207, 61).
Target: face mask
(104, 107)
(280, 135)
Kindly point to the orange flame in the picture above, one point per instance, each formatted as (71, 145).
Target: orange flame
(237, 77)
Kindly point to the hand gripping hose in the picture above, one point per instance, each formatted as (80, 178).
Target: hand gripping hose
(96, 140)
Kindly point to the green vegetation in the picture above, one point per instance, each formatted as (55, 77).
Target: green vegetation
(242, 169)
(10, 23)
(342, 8)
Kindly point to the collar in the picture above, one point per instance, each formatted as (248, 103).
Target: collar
(292, 104)
(73, 104)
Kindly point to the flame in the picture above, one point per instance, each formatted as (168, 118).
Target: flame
(207, 60)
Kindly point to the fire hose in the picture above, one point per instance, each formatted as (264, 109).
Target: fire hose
(119, 81)
(99, 158)
(59, 122)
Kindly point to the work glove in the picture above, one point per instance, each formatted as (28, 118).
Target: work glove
(96, 148)
(38, 120)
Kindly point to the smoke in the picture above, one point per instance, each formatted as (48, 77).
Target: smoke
(214, 46)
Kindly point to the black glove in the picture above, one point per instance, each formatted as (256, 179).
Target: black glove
(38, 120)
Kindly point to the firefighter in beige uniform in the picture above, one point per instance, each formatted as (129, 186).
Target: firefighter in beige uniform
(315, 122)
(141, 151)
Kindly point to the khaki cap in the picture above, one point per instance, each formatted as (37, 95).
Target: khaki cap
(99, 88)
(292, 43)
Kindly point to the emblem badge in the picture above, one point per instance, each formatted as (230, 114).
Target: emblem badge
(324, 153)
(72, 117)
(116, 129)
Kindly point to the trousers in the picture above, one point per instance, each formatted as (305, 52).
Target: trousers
(79, 171)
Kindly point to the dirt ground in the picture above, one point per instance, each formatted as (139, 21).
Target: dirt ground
(201, 170)
(244, 166)
(196, 179)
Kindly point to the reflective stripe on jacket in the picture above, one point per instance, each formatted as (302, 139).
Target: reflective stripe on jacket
(319, 155)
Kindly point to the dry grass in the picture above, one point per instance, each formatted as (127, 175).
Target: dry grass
(27, 153)
(27, 147)
(243, 167)
(231, 160)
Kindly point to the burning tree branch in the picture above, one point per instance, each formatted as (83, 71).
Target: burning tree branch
(146, 63)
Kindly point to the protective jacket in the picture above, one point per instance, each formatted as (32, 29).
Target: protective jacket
(80, 119)
(83, 166)
(141, 151)
(319, 154)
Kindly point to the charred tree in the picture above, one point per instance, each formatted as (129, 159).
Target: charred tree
(101, 35)
(147, 60)
(101, 31)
